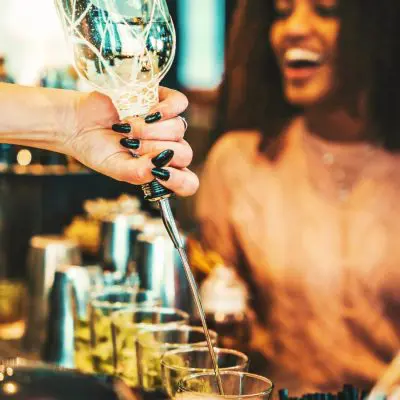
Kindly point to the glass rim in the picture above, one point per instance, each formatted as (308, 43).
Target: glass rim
(113, 289)
(169, 327)
(154, 296)
(140, 290)
(150, 309)
(106, 289)
(127, 289)
(14, 288)
(218, 350)
(236, 373)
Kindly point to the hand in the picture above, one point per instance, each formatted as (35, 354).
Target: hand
(97, 146)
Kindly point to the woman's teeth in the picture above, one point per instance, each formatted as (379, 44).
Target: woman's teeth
(300, 58)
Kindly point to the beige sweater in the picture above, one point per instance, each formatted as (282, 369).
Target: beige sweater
(320, 232)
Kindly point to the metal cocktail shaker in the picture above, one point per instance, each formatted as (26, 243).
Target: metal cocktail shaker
(160, 269)
(118, 236)
(68, 302)
(46, 255)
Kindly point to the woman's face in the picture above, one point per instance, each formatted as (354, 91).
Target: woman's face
(303, 37)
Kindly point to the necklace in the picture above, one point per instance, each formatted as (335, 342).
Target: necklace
(336, 169)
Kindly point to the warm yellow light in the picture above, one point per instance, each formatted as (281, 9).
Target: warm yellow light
(10, 388)
(24, 157)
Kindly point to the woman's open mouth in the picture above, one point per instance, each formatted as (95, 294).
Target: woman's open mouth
(301, 64)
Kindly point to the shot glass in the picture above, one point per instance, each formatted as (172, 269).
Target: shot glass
(13, 307)
(236, 385)
(126, 325)
(153, 342)
(102, 305)
(88, 282)
(179, 363)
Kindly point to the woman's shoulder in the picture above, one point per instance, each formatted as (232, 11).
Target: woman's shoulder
(236, 146)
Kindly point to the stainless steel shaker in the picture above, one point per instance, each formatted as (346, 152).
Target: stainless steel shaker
(160, 269)
(68, 302)
(117, 242)
(46, 255)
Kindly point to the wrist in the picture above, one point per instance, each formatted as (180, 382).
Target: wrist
(37, 117)
(66, 121)
(89, 112)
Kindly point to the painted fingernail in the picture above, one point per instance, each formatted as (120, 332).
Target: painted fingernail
(128, 143)
(153, 118)
(163, 158)
(121, 128)
(161, 173)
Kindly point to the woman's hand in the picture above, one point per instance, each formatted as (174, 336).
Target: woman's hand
(111, 151)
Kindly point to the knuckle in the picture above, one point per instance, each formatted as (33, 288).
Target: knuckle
(139, 131)
(138, 176)
(132, 121)
(179, 131)
(129, 120)
(187, 156)
(181, 183)
(188, 184)
(185, 101)
(177, 104)
(144, 148)
(195, 185)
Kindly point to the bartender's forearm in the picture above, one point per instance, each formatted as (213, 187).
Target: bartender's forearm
(37, 117)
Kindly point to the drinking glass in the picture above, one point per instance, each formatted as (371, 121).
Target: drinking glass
(12, 309)
(237, 385)
(102, 305)
(99, 284)
(87, 281)
(178, 363)
(126, 325)
(152, 343)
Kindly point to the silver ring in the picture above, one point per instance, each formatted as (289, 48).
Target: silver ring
(185, 123)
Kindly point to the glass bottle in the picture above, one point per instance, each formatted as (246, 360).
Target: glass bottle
(225, 300)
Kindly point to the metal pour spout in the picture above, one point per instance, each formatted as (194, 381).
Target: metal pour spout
(155, 192)
(170, 226)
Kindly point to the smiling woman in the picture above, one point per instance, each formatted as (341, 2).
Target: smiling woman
(303, 38)
(306, 185)
(365, 59)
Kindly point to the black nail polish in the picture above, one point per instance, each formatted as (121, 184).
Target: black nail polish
(163, 158)
(121, 128)
(161, 173)
(153, 118)
(132, 144)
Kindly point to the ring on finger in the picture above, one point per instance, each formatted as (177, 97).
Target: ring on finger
(185, 123)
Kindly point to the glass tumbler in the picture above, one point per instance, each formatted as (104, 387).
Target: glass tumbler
(152, 343)
(126, 324)
(176, 364)
(237, 385)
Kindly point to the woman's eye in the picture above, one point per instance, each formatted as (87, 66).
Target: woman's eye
(282, 12)
(327, 11)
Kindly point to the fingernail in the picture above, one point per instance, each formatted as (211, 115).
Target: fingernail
(121, 128)
(153, 118)
(161, 173)
(162, 159)
(132, 144)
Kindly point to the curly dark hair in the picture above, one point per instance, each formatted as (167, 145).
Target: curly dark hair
(251, 95)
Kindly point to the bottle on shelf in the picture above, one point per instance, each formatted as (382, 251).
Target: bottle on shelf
(225, 302)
